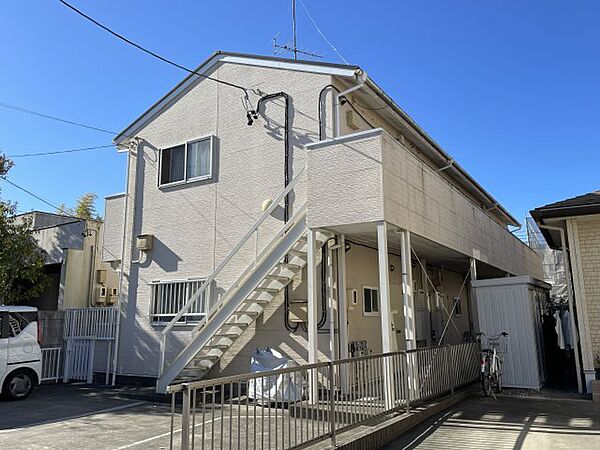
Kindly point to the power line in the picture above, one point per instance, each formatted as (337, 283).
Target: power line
(150, 52)
(57, 152)
(58, 119)
(321, 33)
(58, 208)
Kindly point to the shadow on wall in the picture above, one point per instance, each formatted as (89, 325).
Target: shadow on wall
(140, 341)
(162, 255)
(53, 240)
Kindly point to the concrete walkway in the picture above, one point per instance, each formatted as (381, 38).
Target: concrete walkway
(508, 423)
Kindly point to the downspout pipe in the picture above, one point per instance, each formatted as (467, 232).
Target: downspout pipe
(122, 272)
(574, 332)
(361, 78)
(286, 182)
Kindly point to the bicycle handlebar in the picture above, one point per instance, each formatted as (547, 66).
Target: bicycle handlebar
(504, 334)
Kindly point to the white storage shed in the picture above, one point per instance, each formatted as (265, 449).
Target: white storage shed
(515, 305)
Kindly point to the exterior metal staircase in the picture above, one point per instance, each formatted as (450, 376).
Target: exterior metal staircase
(244, 301)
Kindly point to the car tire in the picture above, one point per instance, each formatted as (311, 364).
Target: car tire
(18, 385)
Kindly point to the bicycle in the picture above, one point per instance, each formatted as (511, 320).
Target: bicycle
(491, 364)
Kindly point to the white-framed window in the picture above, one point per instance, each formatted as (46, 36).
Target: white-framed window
(370, 301)
(187, 162)
(169, 297)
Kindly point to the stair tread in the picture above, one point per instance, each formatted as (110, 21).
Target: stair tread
(249, 308)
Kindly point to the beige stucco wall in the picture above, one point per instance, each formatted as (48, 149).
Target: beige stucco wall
(414, 196)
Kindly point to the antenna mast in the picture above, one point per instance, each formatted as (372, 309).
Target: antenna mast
(293, 47)
(294, 28)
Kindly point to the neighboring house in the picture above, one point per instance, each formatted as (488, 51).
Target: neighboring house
(574, 225)
(76, 275)
(374, 200)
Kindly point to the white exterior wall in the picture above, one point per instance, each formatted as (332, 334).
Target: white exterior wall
(113, 227)
(196, 225)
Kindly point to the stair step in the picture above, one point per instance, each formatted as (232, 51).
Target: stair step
(231, 332)
(298, 253)
(292, 267)
(239, 321)
(258, 301)
(268, 290)
(206, 357)
(280, 278)
(217, 346)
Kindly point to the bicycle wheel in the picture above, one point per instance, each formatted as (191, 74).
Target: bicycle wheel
(498, 376)
(486, 380)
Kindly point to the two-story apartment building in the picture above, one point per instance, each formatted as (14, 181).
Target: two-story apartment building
(305, 212)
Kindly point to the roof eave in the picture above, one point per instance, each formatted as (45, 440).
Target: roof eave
(240, 58)
(510, 220)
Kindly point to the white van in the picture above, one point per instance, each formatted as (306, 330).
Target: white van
(20, 353)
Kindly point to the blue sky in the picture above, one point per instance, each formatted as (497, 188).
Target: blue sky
(510, 89)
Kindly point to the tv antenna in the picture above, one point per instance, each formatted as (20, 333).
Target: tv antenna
(293, 46)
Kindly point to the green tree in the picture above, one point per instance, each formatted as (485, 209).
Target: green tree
(86, 207)
(21, 260)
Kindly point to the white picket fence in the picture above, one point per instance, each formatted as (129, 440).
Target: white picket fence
(52, 364)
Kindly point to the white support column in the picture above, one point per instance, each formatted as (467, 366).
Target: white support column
(472, 304)
(331, 303)
(384, 289)
(385, 309)
(342, 310)
(407, 291)
(313, 348)
(425, 286)
(342, 305)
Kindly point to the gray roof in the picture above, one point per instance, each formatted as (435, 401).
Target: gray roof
(581, 205)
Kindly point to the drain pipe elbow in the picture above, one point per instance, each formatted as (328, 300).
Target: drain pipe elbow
(361, 78)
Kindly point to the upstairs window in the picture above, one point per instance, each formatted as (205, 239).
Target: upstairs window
(191, 161)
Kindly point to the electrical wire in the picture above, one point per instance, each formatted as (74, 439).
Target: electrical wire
(57, 152)
(150, 52)
(43, 200)
(321, 33)
(58, 119)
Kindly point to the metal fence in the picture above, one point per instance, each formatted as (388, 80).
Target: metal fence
(292, 407)
(52, 364)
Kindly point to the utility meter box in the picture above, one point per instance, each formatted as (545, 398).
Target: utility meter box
(144, 242)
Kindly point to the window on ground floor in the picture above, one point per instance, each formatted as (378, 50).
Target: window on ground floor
(169, 297)
(370, 301)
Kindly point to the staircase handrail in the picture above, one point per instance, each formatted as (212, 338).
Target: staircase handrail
(202, 289)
